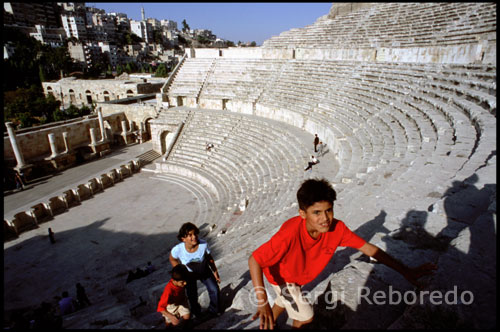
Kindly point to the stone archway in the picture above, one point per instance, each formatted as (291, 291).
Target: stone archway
(165, 139)
(109, 131)
(88, 94)
(72, 98)
(147, 129)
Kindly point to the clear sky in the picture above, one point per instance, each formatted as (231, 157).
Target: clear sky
(239, 21)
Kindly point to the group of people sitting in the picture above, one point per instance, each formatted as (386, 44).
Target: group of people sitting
(49, 314)
(298, 247)
(191, 261)
(140, 273)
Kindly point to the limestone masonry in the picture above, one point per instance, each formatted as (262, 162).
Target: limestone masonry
(403, 95)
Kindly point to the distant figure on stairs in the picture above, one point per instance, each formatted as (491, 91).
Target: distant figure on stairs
(313, 161)
(209, 146)
(316, 142)
(66, 304)
(81, 296)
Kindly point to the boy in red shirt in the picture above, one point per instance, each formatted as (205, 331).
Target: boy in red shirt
(301, 249)
(173, 303)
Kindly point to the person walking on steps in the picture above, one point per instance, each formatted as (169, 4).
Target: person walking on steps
(316, 142)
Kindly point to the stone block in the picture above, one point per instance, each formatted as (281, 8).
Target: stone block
(23, 221)
(9, 231)
(94, 185)
(57, 205)
(106, 181)
(135, 165)
(84, 192)
(71, 198)
(124, 171)
(115, 176)
(41, 213)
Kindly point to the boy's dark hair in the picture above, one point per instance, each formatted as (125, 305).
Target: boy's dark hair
(315, 190)
(185, 229)
(179, 272)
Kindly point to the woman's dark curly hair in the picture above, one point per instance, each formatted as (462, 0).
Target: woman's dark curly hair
(185, 229)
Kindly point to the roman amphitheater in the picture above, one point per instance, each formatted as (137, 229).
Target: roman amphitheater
(403, 95)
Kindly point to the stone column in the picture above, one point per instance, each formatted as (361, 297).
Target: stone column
(124, 127)
(53, 146)
(93, 139)
(66, 143)
(15, 147)
(101, 126)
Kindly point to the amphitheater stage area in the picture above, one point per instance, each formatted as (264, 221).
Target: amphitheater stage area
(404, 96)
(117, 230)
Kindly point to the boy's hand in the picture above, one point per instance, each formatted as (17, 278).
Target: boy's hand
(413, 274)
(265, 314)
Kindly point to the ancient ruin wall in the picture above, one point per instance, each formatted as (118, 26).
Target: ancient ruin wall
(34, 144)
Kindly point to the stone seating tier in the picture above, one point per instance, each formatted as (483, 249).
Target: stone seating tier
(243, 163)
(387, 86)
(396, 25)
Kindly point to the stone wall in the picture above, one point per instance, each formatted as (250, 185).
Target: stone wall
(80, 92)
(231, 52)
(344, 8)
(133, 113)
(34, 144)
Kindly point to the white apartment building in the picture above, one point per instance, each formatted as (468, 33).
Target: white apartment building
(74, 26)
(169, 24)
(142, 29)
(53, 39)
(111, 51)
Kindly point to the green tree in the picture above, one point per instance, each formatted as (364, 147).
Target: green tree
(185, 26)
(158, 37)
(41, 73)
(253, 44)
(131, 38)
(161, 71)
(29, 106)
(119, 70)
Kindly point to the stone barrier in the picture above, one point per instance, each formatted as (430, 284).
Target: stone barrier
(57, 205)
(94, 186)
(115, 176)
(71, 198)
(84, 192)
(23, 221)
(124, 171)
(9, 231)
(41, 213)
(106, 181)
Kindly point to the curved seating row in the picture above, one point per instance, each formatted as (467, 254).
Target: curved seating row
(253, 159)
(392, 122)
(396, 25)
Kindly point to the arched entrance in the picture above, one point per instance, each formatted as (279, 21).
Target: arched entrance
(106, 96)
(88, 94)
(72, 98)
(165, 139)
(50, 91)
(147, 127)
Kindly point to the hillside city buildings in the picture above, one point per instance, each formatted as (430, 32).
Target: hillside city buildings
(91, 32)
